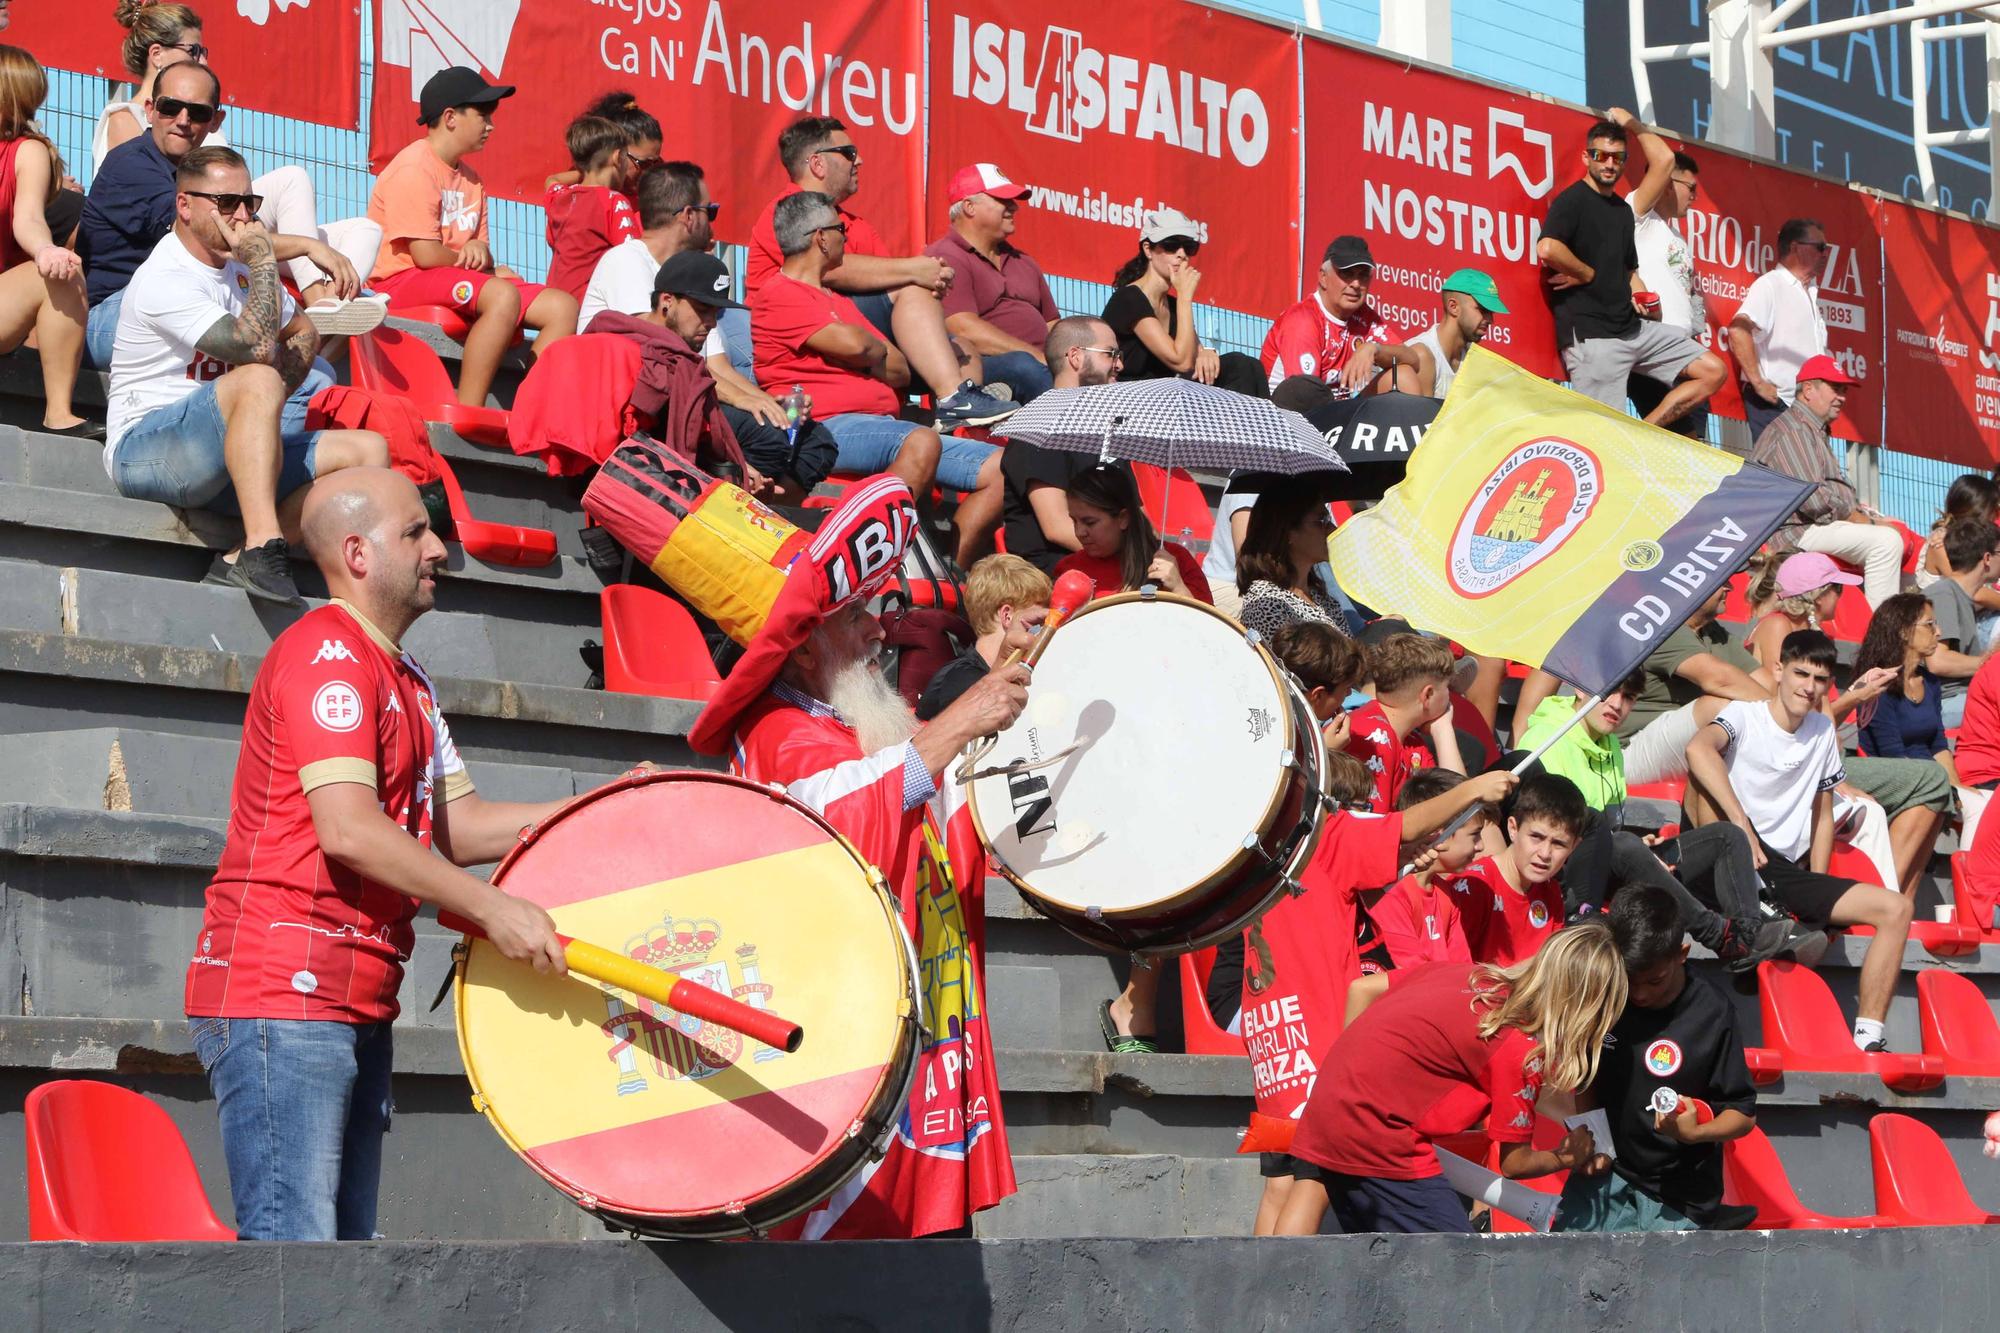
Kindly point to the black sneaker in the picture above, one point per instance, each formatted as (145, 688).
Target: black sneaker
(1747, 943)
(265, 572)
(1806, 945)
(1876, 1047)
(972, 406)
(1731, 1217)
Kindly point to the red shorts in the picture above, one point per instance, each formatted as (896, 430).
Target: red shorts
(455, 287)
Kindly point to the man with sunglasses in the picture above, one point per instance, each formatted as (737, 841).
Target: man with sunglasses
(431, 207)
(132, 199)
(1590, 259)
(1779, 327)
(209, 388)
(999, 303)
(1034, 507)
(900, 296)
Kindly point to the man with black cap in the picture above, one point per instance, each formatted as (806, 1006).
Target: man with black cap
(432, 211)
(1335, 337)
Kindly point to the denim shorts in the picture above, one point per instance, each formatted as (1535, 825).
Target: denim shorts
(868, 444)
(100, 330)
(174, 454)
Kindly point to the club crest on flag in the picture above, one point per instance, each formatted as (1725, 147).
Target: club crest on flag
(1522, 514)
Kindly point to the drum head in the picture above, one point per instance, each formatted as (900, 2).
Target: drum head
(1182, 725)
(642, 1113)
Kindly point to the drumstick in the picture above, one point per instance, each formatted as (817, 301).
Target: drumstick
(677, 993)
(1072, 593)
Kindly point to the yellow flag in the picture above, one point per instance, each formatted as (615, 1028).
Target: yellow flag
(1539, 525)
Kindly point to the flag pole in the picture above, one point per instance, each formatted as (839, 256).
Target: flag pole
(1575, 717)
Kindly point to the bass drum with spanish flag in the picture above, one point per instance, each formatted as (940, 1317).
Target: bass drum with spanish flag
(659, 1121)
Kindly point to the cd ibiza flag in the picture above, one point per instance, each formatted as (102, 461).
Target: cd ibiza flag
(1547, 528)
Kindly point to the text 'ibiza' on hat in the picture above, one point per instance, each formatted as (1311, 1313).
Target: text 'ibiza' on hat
(982, 178)
(1824, 367)
(457, 86)
(1164, 224)
(1346, 252)
(697, 275)
(1808, 570)
(1479, 286)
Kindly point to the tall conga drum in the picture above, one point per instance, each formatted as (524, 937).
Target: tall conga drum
(655, 1120)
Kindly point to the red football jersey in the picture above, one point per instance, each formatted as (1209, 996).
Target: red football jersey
(1419, 923)
(584, 221)
(1501, 926)
(765, 258)
(288, 933)
(1390, 758)
(1305, 340)
(1412, 1069)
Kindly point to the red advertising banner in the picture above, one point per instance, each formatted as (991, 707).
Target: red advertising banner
(1733, 232)
(317, 77)
(724, 77)
(1109, 113)
(1942, 353)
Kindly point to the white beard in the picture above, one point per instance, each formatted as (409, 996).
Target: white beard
(871, 705)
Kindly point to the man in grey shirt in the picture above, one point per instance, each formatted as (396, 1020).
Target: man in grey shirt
(1969, 555)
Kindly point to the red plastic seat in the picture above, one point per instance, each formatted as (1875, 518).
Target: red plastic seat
(1916, 1181)
(1940, 939)
(447, 319)
(1671, 789)
(495, 543)
(1736, 607)
(1958, 1025)
(106, 1164)
(652, 646)
(1965, 910)
(394, 362)
(1805, 1033)
(1188, 518)
(1852, 614)
(1753, 1174)
(1197, 1023)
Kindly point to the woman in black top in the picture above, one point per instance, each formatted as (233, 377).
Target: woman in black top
(1145, 313)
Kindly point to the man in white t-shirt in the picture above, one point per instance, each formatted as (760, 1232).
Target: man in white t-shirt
(1666, 265)
(208, 397)
(676, 216)
(1469, 300)
(1770, 767)
(1779, 327)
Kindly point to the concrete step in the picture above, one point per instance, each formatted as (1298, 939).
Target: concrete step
(135, 608)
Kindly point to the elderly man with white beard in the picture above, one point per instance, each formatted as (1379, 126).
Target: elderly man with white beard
(807, 709)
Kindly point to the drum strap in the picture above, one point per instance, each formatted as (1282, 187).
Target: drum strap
(966, 773)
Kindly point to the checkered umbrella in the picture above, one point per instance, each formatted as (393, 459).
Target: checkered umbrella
(1174, 423)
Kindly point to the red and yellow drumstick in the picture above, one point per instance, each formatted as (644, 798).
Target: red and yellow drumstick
(1071, 594)
(677, 993)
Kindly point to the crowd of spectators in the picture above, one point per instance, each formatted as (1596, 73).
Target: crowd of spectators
(210, 297)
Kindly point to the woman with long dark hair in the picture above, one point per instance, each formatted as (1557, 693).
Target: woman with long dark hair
(1152, 312)
(1906, 721)
(1276, 567)
(1121, 551)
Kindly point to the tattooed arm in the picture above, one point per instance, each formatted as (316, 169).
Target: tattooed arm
(252, 337)
(296, 351)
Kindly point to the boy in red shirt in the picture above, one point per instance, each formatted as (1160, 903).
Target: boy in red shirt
(431, 207)
(1447, 1046)
(1417, 920)
(1412, 676)
(594, 213)
(1511, 903)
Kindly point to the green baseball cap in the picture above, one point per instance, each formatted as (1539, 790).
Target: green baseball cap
(1478, 286)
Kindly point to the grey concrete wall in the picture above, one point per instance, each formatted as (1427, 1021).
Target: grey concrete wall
(1747, 1283)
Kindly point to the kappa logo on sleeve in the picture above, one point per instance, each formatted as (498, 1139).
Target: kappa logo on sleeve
(331, 650)
(337, 706)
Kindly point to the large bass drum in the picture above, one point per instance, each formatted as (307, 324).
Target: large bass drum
(1164, 783)
(657, 1121)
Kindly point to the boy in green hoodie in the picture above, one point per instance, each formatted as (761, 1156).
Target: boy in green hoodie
(1709, 858)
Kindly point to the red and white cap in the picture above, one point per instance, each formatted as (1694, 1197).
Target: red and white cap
(982, 178)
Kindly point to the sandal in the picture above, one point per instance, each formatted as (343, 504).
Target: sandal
(1119, 1043)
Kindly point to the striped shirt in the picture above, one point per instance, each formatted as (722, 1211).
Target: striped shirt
(1796, 445)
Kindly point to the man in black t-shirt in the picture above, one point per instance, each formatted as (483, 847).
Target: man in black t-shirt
(1677, 1035)
(1034, 506)
(1591, 262)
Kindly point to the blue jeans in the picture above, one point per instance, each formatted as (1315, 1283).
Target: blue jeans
(303, 1107)
(868, 444)
(174, 454)
(1027, 377)
(735, 326)
(100, 330)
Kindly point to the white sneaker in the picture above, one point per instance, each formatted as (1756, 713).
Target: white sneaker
(335, 318)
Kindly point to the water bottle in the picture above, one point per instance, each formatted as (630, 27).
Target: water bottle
(798, 411)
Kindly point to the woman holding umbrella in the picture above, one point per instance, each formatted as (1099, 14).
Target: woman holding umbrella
(1152, 312)
(1121, 552)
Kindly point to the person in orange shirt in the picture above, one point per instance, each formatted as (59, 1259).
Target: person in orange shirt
(432, 211)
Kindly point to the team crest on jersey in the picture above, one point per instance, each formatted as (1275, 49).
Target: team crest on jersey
(332, 650)
(337, 706)
(1522, 514)
(1538, 915)
(461, 291)
(1663, 1058)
